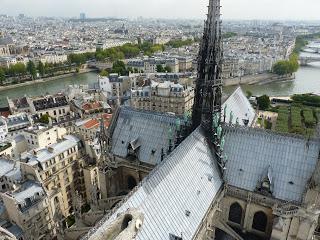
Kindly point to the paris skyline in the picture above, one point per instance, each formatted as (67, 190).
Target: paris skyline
(189, 9)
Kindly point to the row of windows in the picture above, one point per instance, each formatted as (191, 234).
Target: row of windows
(60, 111)
(49, 173)
(60, 157)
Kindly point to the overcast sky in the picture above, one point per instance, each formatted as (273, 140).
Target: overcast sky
(232, 9)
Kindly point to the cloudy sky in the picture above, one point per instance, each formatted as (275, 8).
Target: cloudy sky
(232, 9)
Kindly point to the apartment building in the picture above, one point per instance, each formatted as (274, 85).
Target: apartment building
(41, 136)
(185, 64)
(57, 168)
(17, 122)
(56, 106)
(163, 97)
(53, 58)
(89, 128)
(9, 174)
(28, 208)
(149, 64)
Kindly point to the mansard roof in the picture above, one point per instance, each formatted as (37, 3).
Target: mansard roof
(176, 196)
(289, 159)
(152, 129)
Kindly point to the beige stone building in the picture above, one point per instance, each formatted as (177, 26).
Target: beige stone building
(185, 64)
(56, 106)
(57, 167)
(41, 136)
(10, 175)
(165, 97)
(43, 195)
(29, 209)
(231, 68)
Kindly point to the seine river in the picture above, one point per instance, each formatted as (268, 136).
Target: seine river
(307, 81)
(47, 87)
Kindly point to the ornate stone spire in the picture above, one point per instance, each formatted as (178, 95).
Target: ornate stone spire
(209, 85)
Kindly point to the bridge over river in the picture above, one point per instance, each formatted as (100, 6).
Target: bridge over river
(310, 54)
(305, 60)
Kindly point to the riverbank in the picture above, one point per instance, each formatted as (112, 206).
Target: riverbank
(260, 79)
(48, 87)
(43, 80)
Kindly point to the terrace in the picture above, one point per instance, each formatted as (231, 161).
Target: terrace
(50, 102)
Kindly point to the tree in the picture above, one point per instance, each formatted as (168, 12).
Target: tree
(104, 73)
(45, 119)
(2, 76)
(263, 102)
(17, 69)
(130, 70)
(78, 59)
(160, 68)
(129, 50)
(168, 69)
(31, 68)
(249, 94)
(286, 67)
(179, 43)
(47, 68)
(120, 68)
(41, 69)
(229, 35)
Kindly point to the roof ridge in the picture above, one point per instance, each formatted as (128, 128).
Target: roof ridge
(268, 132)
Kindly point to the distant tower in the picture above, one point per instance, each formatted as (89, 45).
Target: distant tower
(82, 16)
(208, 90)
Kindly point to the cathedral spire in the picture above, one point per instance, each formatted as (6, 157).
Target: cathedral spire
(209, 85)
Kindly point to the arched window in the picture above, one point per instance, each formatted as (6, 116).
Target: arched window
(235, 213)
(131, 182)
(260, 221)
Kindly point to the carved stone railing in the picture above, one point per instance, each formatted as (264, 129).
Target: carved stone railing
(109, 202)
(280, 208)
(284, 212)
(134, 165)
(253, 197)
(76, 229)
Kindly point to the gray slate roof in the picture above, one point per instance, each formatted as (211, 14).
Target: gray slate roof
(5, 166)
(188, 180)
(27, 190)
(252, 152)
(45, 154)
(152, 131)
